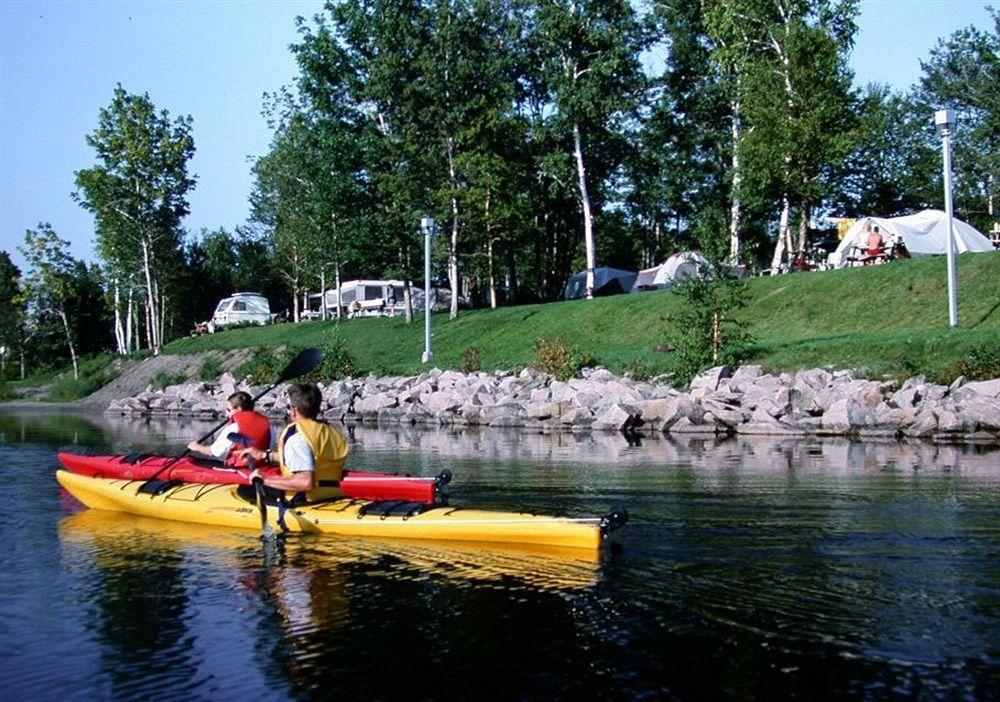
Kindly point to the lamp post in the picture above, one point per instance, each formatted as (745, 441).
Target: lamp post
(944, 119)
(427, 227)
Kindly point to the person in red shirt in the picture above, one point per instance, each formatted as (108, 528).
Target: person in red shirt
(242, 420)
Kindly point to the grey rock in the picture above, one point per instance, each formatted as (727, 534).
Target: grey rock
(710, 379)
(904, 398)
(504, 415)
(982, 410)
(684, 425)
(924, 424)
(769, 428)
(844, 416)
(614, 419)
(990, 388)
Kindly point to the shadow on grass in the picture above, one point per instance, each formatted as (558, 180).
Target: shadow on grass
(989, 313)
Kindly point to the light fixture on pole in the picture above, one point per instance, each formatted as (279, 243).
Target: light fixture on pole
(945, 119)
(427, 227)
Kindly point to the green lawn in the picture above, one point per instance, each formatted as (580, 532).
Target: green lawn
(892, 318)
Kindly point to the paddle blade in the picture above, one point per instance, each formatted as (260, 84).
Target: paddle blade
(303, 362)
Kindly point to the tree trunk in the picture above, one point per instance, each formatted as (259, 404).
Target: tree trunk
(736, 206)
(152, 325)
(322, 292)
(492, 273)
(784, 236)
(407, 301)
(336, 273)
(69, 343)
(120, 343)
(129, 314)
(803, 230)
(453, 246)
(588, 222)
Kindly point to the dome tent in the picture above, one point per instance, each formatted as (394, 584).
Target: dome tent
(679, 266)
(924, 234)
(607, 281)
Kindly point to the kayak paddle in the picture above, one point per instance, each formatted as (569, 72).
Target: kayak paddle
(303, 362)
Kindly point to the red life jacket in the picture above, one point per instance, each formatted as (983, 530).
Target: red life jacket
(255, 427)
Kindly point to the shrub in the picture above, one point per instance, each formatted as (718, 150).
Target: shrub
(337, 361)
(556, 357)
(163, 379)
(263, 366)
(637, 369)
(470, 362)
(210, 368)
(93, 376)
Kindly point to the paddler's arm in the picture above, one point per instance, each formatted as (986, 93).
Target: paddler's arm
(296, 482)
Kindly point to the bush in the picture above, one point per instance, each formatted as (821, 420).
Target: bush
(337, 361)
(5, 392)
(210, 368)
(95, 373)
(263, 366)
(470, 362)
(556, 357)
(637, 369)
(163, 379)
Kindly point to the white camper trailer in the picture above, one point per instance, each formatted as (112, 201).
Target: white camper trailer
(240, 308)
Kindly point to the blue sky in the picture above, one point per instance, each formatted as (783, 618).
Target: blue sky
(60, 62)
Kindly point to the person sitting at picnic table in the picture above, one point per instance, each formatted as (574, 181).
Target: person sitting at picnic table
(875, 246)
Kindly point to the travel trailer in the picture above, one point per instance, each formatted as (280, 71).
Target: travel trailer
(240, 308)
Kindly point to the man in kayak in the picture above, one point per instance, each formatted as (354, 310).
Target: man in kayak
(311, 453)
(242, 420)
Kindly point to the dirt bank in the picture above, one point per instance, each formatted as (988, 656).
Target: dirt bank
(134, 376)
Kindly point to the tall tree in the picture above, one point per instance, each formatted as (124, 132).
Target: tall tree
(49, 287)
(137, 192)
(963, 73)
(11, 310)
(792, 101)
(589, 51)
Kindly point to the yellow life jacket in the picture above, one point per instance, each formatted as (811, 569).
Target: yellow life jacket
(329, 452)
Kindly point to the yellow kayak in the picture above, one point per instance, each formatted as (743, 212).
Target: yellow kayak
(114, 538)
(223, 505)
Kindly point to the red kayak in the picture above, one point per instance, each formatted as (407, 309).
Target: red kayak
(188, 469)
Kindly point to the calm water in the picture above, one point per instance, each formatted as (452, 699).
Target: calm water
(750, 568)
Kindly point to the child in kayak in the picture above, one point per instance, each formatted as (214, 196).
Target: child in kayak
(242, 420)
(311, 454)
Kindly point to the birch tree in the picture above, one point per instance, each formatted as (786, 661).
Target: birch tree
(589, 51)
(137, 192)
(48, 287)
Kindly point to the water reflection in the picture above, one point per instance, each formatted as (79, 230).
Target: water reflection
(751, 567)
(314, 603)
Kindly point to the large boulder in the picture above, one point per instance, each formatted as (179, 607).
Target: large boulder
(616, 418)
(844, 416)
(710, 379)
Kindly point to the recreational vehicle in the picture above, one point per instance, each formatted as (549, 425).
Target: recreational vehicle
(240, 308)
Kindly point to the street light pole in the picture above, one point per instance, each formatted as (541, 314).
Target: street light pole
(427, 227)
(944, 119)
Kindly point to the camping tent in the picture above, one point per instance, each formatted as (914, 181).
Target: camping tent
(680, 266)
(607, 281)
(924, 234)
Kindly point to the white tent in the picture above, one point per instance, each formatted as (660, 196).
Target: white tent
(924, 234)
(680, 266)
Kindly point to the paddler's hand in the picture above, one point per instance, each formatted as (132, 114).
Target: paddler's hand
(255, 475)
(254, 453)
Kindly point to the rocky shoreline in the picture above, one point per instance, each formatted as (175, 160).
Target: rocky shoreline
(720, 401)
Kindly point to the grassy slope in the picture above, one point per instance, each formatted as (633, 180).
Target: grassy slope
(893, 318)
